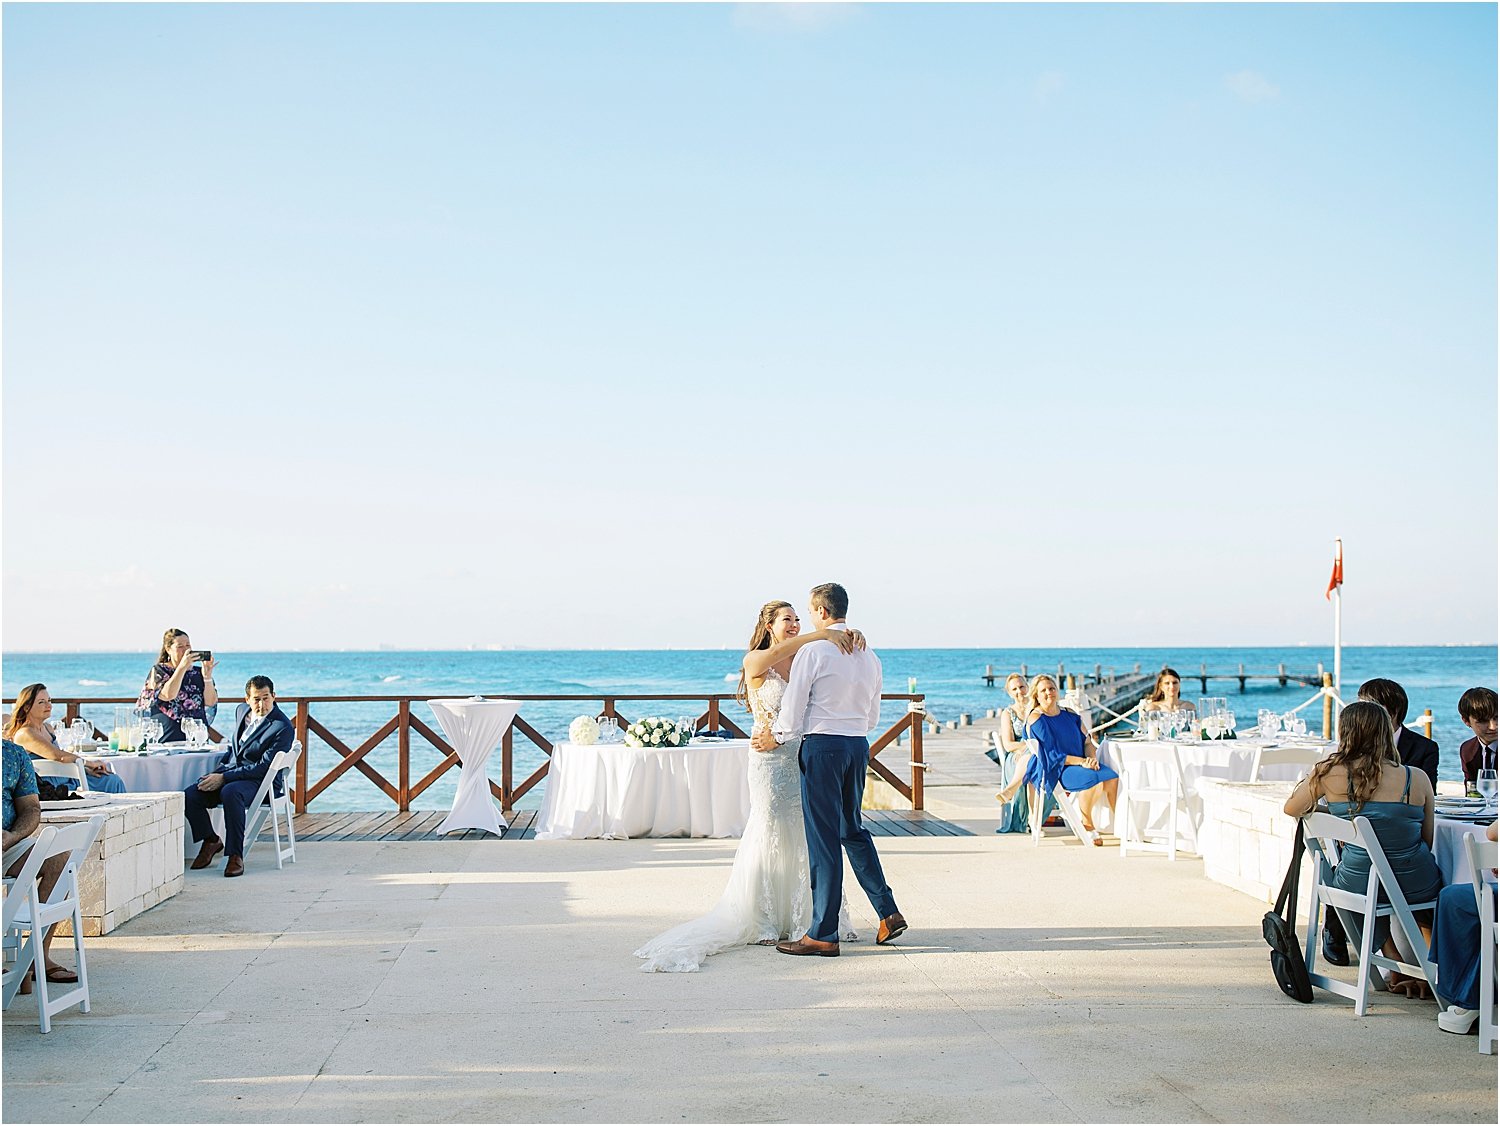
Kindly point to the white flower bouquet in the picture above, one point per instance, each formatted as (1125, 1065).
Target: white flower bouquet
(656, 731)
(583, 731)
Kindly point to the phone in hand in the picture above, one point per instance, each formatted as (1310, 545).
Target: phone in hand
(200, 655)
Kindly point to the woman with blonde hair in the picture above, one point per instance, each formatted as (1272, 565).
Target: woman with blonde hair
(28, 727)
(1017, 754)
(1364, 777)
(769, 894)
(1065, 755)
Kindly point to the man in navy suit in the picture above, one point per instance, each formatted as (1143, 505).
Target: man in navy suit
(260, 730)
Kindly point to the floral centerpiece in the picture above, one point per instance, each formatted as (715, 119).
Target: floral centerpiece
(656, 731)
(583, 731)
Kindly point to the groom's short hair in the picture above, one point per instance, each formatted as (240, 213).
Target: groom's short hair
(832, 599)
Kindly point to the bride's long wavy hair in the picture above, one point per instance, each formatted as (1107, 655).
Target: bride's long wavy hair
(760, 638)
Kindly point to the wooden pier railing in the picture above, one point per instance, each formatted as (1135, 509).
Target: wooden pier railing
(403, 789)
(1103, 676)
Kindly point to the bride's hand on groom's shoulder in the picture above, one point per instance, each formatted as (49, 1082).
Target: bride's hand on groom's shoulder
(848, 640)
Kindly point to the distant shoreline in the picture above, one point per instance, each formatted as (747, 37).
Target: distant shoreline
(733, 649)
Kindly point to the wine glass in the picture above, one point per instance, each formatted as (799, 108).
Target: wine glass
(82, 730)
(685, 724)
(1487, 785)
(1229, 721)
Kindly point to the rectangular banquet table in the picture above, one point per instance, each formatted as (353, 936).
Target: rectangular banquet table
(1229, 760)
(615, 791)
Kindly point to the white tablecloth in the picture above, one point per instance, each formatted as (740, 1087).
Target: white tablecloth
(616, 791)
(154, 774)
(1448, 848)
(475, 727)
(1228, 759)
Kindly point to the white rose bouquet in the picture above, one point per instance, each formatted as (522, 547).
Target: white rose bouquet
(656, 731)
(583, 731)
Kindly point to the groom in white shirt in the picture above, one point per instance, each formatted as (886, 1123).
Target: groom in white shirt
(833, 701)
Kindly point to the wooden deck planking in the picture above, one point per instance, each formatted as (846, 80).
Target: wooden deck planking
(421, 825)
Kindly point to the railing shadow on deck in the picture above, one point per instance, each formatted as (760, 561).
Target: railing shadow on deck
(403, 790)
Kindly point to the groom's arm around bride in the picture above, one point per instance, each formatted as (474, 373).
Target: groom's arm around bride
(833, 701)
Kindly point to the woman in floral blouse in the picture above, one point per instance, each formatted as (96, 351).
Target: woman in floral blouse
(176, 689)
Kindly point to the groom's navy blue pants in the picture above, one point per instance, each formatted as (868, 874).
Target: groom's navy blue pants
(833, 787)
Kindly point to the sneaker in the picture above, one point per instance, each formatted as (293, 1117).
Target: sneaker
(1457, 1020)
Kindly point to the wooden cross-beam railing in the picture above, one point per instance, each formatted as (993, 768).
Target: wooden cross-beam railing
(403, 724)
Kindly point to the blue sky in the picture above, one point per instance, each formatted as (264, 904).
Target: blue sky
(600, 325)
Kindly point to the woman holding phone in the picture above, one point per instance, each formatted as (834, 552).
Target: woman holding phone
(179, 686)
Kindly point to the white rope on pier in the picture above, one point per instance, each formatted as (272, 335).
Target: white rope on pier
(1119, 718)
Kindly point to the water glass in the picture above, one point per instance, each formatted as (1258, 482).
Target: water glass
(685, 724)
(1487, 785)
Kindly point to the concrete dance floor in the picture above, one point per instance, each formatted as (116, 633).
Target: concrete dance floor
(493, 981)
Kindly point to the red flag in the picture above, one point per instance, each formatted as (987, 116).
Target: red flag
(1337, 578)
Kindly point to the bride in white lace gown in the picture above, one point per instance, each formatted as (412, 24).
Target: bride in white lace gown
(769, 895)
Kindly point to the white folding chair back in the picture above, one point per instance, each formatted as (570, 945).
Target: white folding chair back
(1135, 836)
(1326, 836)
(269, 806)
(1484, 855)
(1305, 757)
(26, 913)
(51, 768)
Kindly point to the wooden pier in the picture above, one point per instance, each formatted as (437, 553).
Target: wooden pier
(1101, 676)
(421, 825)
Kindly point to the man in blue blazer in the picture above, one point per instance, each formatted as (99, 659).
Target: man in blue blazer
(260, 730)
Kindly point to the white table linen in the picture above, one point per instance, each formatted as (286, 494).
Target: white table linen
(475, 727)
(1448, 848)
(1230, 760)
(616, 792)
(163, 773)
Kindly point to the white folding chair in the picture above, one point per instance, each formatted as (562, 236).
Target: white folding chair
(267, 805)
(51, 768)
(1326, 835)
(1484, 855)
(1065, 806)
(26, 914)
(1305, 757)
(1135, 835)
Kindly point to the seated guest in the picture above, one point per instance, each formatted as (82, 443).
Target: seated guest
(22, 818)
(1166, 694)
(1016, 755)
(1455, 950)
(1065, 754)
(1476, 708)
(1362, 778)
(177, 688)
(1416, 751)
(261, 729)
(28, 727)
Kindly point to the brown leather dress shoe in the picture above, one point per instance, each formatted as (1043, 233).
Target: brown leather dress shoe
(234, 866)
(804, 947)
(891, 928)
(211, 848)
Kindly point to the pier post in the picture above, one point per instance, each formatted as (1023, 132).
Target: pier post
(917, 769)
(1072, 682)
(1427, 723)
(403, 755)
(1281, 674)
(1242, 678)
(1327, 706)
(1098, 674)
(989, 676)
(507, 777)
(1060, 676)
(1203, 677)
(1137, 668)
(301, 794)
(1023, 671)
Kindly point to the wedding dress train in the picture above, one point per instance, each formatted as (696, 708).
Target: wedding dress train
(769, 894)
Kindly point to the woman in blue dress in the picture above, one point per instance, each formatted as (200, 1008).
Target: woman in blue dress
(1066, 754)
(1364, 778)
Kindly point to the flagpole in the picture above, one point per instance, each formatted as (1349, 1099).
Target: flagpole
(1338, 631)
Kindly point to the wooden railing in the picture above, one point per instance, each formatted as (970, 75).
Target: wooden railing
(403, 789)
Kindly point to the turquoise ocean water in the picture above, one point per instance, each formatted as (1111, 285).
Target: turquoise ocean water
(1434, 677)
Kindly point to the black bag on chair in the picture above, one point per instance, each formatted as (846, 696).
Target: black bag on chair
(1281, 933)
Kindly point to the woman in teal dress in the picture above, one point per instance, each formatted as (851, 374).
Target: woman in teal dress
(1015, 755)
(1364, 778)
(1065, 754)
